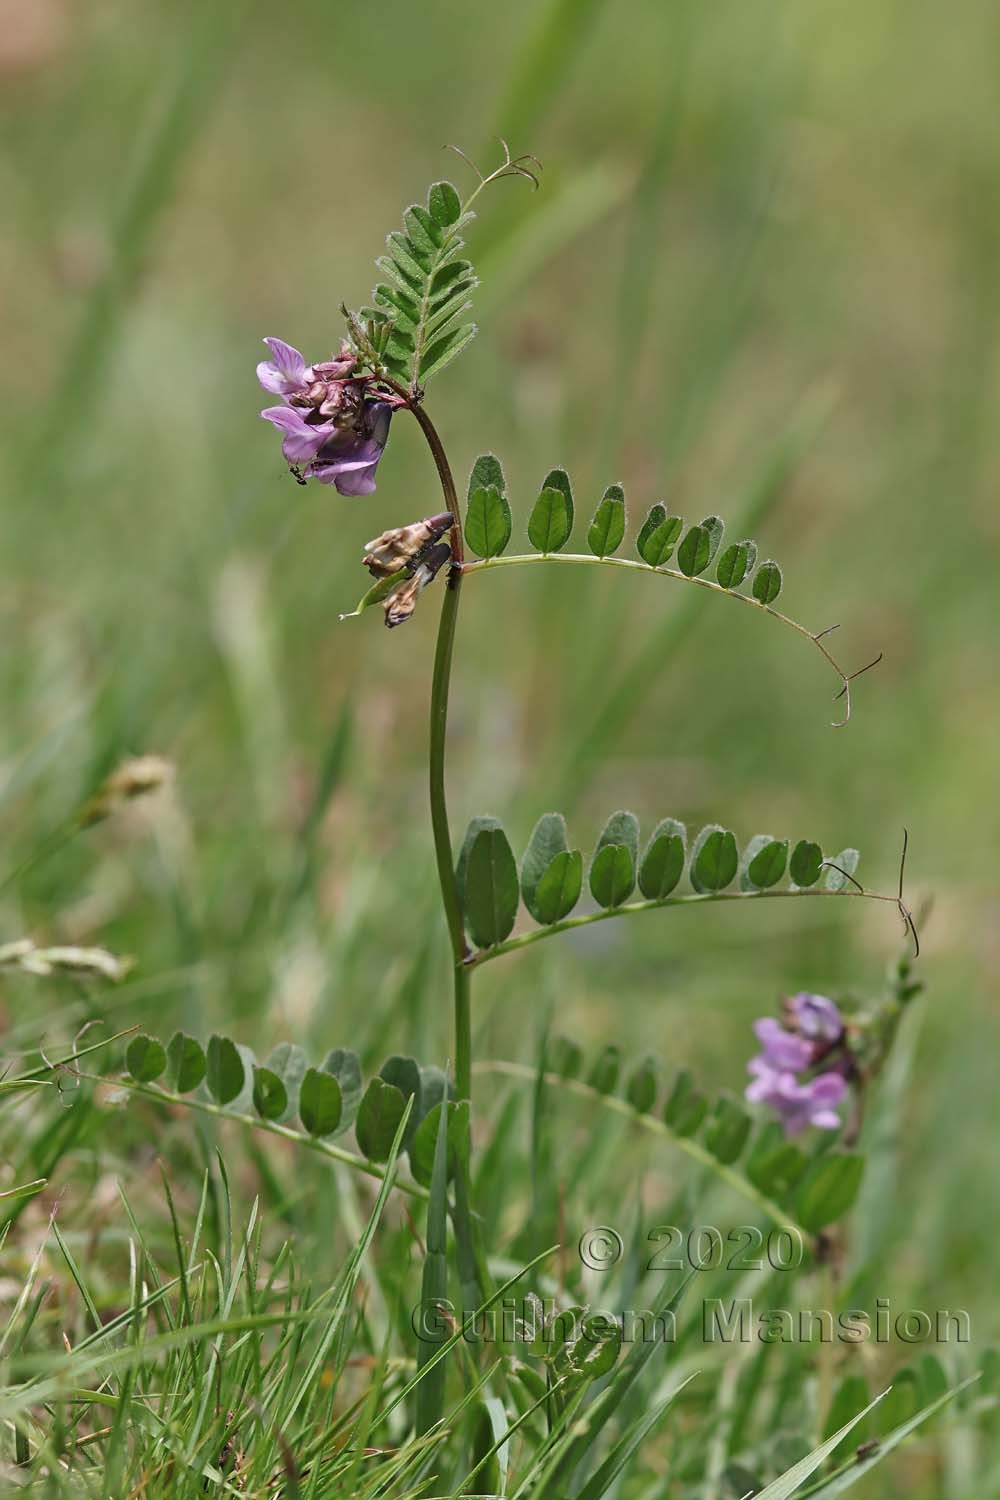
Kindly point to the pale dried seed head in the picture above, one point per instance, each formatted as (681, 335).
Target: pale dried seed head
(405, 545)
(138, 776)
(95, 962)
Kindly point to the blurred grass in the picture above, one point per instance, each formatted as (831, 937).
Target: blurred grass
(746, 210)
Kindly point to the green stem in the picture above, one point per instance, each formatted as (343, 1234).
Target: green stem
(440, 686)
(536, 935)
(442, 840)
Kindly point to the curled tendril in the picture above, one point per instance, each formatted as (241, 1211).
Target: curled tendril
(846, 677)
(910, 927)
(525, 165)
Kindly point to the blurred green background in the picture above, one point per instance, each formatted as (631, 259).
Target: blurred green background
(760, 278)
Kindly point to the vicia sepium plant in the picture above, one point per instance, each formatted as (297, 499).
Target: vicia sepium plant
(335, 418)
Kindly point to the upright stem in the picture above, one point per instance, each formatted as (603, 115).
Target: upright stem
(440, 685)
(442, 835)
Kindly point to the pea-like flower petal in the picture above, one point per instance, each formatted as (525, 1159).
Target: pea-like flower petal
(286, 372)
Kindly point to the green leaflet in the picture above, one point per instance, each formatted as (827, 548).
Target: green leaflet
(491, 888)
(224, 1072)
(558, 479)
(727, 1131)
(773, 1163)
(658, 547)
(663, 862)
(487, 522)
(379, 1116)
(487, 515)
(320, 1104)
(484, 820)
(145, 1058)
(551, 520)
(695, 552)
(767, 582)
(289, 1063)
(715, 859)
(185, 1063)
(715, 527)
(346, 1068)
(270, 1097)
(444, 350)
(444, 203)
(621, 828)
(642, 1085)
(763, 863)
(656, 517)
(564, 1056)
(548, 838)
(806, 863)
(734, 565)
(404, 1074)
(605, 1072)
(559, 888)
(612, 875)
(487, 471)
(607, 529)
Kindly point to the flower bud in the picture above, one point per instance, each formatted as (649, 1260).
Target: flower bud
(337, 369)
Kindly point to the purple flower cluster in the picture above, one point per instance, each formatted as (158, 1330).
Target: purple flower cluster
(330, 423)
(814, 1028)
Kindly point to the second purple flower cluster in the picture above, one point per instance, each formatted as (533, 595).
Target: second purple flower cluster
(329, 422)
(784, 1071)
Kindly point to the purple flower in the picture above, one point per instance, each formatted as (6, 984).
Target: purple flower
(797, 1105)
(808, 1039)
(817, 1017)
(328, 423)
(783, 1050)
(349, 459)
